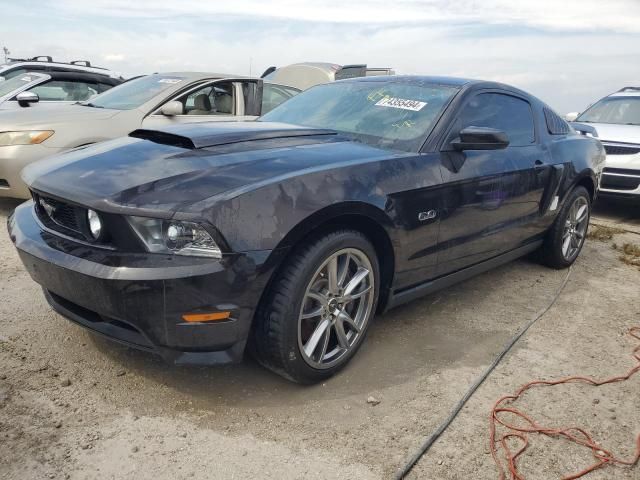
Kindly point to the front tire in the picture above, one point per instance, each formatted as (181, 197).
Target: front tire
(317, 312)
(566, 237)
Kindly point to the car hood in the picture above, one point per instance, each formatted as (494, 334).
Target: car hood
(33, 117)
(608, 132)
(159, 172)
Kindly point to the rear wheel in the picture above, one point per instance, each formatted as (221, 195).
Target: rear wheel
(566, 237)
(318, 311)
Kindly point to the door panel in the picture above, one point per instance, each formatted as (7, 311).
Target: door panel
(492, 197)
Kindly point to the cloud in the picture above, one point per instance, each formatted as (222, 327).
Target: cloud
(568, 53)
(567, 15)
(114, 57)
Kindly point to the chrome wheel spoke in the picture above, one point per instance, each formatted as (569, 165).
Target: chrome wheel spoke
(355, 296)
(325, 344)
(341, 335)
(318, 297)
(314, 313)
(565, 245)
(346, 318)
(582, 214)
(359, 276)
(332, 275)
(316, 336)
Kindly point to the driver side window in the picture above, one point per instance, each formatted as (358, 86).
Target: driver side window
(509, 114)
(64, 91)
(216, 99)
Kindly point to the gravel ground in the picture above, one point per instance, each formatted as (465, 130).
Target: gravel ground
(76, 406)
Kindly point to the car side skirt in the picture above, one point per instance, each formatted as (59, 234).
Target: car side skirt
(397, 298)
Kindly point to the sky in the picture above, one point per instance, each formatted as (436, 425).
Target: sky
(569, 53)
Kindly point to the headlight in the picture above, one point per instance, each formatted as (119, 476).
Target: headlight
(170, 236)
(33, 137)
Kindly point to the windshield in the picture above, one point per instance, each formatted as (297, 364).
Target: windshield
(15, 83)
(384, 114)
(134, 93)
(619, 110)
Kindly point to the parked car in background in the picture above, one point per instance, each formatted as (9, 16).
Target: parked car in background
(147, 102)
(55, 88)
(308, 74)
(616, 120)
(290, 232)
(46, 64)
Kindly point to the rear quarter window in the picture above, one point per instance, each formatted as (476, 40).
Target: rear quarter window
(555, 124)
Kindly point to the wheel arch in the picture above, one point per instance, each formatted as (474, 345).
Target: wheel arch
(371, 221)
(589, 183)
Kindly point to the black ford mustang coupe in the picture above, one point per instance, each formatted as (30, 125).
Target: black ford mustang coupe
(286, 235)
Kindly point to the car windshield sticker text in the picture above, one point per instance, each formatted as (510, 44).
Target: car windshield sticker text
(402, 103)
(169, 80)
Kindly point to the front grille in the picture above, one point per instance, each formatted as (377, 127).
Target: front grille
(621, 149)
(62, 217)
(623, 171)
(616, 182)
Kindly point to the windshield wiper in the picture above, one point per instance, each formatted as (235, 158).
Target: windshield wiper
(89, 104)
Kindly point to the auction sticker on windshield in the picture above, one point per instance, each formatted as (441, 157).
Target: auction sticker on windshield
(402, 103)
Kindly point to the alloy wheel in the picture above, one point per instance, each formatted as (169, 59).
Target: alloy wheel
(575, 228)
(336, 307)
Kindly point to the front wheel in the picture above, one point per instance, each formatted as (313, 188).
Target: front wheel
(566, 237)
(319, 309)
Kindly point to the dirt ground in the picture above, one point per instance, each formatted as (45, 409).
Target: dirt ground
(76, 406)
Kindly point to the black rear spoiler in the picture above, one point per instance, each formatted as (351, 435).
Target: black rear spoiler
(584, 129)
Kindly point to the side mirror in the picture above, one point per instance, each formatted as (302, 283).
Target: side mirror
(25, 98)
(571, 117)
(172, 108)
(480, 138)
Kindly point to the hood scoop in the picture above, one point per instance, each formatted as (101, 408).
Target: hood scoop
(194, 136)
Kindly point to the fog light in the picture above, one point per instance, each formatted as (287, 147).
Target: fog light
(95, 224)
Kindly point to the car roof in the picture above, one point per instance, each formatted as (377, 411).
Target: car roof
(84, 76)
(416, 79)
(626, 94)
(457, 82)
(70, 66)
(197, 75)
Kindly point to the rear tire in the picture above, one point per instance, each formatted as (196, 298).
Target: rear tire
(317, 312)
(565, 239)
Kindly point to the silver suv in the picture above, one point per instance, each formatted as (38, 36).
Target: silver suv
(616, 120)
(46, 64)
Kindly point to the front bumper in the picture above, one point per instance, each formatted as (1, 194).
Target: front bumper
(621, 176)
(139, 299)
(12, 160)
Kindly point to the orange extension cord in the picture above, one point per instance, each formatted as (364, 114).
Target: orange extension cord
(576, 435)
